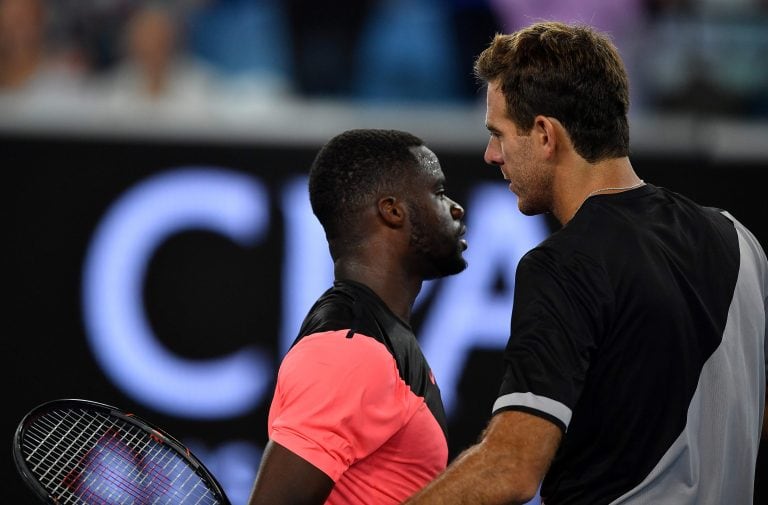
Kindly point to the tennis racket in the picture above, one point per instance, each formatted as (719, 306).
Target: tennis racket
(81, 452)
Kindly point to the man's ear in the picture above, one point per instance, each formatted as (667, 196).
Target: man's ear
(545, 134)
(392, 211)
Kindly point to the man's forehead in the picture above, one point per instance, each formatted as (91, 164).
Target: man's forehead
(496, 103)
(427, 161)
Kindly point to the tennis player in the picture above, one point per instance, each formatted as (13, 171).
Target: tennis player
(356, 416)
(635, 369)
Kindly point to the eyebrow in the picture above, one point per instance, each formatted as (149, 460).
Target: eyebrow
(439, 181)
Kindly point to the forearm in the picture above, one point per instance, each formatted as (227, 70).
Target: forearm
(478, 476)
(506, 467)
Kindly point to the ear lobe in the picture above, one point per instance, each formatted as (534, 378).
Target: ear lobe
(392, 211)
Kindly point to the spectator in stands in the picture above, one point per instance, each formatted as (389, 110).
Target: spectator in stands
(247, 42)
(154, 64)
(706, 57)
(26, 63)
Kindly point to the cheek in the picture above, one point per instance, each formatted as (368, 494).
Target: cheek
(511, 152)
(511, 163)
(435, 218)
(448, 222)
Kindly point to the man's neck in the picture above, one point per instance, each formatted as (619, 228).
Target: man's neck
(582, 180)
(395, 288)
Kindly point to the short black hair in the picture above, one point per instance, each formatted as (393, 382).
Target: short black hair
(352, 169)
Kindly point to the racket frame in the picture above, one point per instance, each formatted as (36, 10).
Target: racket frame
(159, 435)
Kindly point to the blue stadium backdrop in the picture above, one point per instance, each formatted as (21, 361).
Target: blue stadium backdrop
(170, 278)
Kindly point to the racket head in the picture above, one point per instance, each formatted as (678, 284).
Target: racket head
(76, 451)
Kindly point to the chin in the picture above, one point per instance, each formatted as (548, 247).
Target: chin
(529, 210)
(454, 266)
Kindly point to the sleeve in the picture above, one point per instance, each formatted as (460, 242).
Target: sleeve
(559, 306)
(757, 257)
(337, 400)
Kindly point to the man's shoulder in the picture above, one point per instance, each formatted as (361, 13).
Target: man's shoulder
(334, 350)
(333, 310)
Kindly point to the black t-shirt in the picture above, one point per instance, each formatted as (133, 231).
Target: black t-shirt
(625, 329)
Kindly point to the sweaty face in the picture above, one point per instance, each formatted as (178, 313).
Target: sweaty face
(436, 226)
(514, 153)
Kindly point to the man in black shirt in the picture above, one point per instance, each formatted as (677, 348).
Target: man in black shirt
(635, 369)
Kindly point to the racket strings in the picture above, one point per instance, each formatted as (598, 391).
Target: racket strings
(86, 457)
(120, 460)
(72, 453)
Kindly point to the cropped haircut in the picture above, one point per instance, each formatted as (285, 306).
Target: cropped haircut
(571, 73)
(352, 169)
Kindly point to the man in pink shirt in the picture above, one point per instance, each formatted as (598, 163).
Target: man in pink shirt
(356, 416)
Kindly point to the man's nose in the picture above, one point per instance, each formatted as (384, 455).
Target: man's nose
(492, 154)
(457, 211)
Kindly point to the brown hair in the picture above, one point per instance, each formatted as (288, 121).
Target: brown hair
(571, 73)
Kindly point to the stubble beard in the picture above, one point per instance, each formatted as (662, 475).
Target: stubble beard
(439, 256)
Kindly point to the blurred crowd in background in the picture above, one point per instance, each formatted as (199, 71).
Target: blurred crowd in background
(683, 56)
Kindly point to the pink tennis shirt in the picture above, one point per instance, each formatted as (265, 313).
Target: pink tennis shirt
(343, 401)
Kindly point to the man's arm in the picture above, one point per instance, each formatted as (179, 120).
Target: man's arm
(507, 466)
(287, 479)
